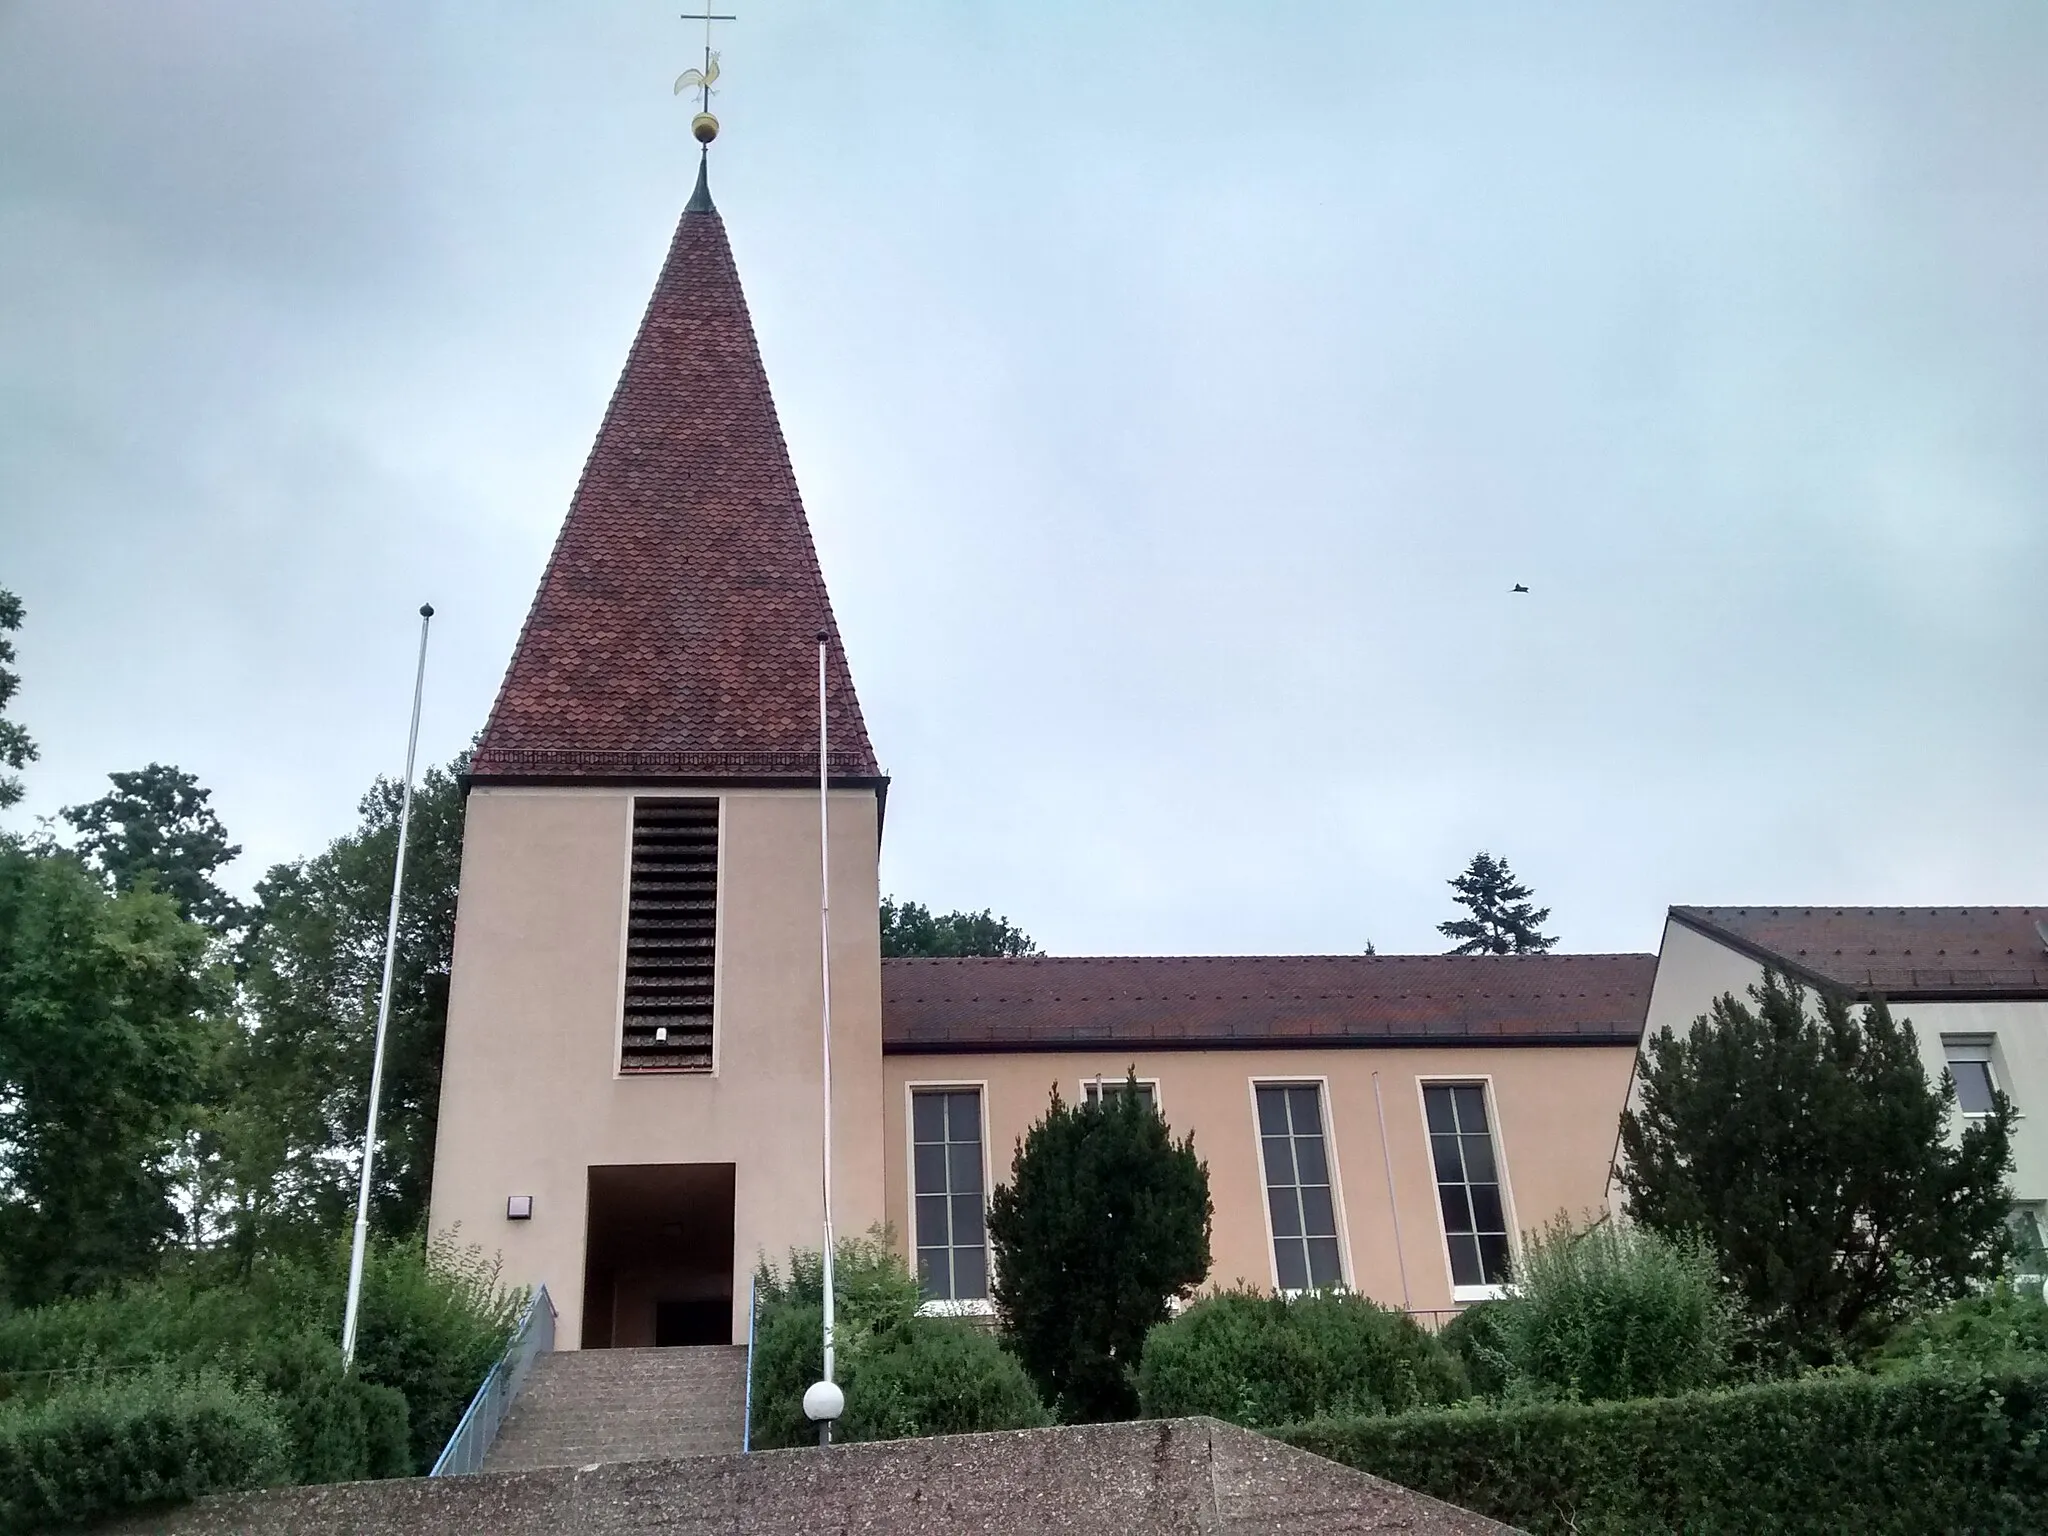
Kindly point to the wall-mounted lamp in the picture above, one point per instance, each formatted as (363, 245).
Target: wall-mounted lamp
(519, 1207)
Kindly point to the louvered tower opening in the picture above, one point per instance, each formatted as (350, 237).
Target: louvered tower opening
(671, 937)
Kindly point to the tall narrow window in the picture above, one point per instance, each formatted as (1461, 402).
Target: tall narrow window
(1467, 1185)
(952, 1250)
(671, 937)
(1298, 1192)
(1969, 1063)
(1096, 1090)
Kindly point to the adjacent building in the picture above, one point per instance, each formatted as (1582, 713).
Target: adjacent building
(1972, 981)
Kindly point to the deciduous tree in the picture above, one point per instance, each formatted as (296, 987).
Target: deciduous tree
(1105, 1220)
(314, 959)
(108, 1018)
(909, 929)
(1807, 1146)
(157, 825)
(16, 750)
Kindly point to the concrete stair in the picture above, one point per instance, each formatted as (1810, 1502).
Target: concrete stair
(590, 1405)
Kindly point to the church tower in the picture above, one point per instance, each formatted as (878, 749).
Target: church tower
(632, 1085)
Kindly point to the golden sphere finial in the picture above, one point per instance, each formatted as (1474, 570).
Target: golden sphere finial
(704, 127)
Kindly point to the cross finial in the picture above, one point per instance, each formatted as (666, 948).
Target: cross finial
(703, 125)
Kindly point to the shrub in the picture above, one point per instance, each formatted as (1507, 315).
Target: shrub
(1105, 1220)
(1257, 1360)
(90, 1450)
(1614, 1312)
(2005, 1329)
(1920, 1453)
(1477, 1336)
(433, 1321)
(339, 1425)
(902, 1374)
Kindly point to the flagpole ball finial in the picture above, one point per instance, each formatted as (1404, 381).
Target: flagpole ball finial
(824, 635)
(704, 127)
(426, 610)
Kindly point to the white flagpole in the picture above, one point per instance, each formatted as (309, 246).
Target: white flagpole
(825, 971)
(355, 1259)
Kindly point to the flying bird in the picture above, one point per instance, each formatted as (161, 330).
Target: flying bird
(698, 79)
(1518, 587)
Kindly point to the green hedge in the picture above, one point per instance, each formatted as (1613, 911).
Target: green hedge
(1256, 1359)
(1907, 1455)
(89, 1451)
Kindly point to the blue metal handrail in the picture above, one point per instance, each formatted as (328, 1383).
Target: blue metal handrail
(753, 1313)
(472, 1439)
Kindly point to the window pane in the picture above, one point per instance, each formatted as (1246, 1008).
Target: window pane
(1465, 1268)
(1443, 1150)
(1309, 1166)
(1286, 1212)
(1150, 1098)
(1487, 1215)
(932, 1275)
(1973, 1086)
(1273, 1111)
(931, 1222)
(963, 1115)
(1305, 1112)
(1319, 1217)
(1479, 1160)
(1457, 1213)
(1279, 1161)
(966, 1220)
(1437, 1101)
(1471, 1099)
(1323, 1265)
(931, 1168)
(965, 1166)
(1292, 1264)
(928, 1116)
(1493, 1257)
(970, 1274)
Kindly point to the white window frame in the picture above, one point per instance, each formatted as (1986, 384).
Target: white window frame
(1158, 1103)
(619, 1072)
(1465, 1294)
(1988, 1044)
(983, 1306)
(1321, 1083)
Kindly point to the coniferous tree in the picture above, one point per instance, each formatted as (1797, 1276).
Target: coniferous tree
(1104, 1221)
(157, 825)
(908, 928)
(1808, 1148)
(16, 750)
(1504, 920)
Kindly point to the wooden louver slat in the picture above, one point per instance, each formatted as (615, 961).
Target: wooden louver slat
(671, 937)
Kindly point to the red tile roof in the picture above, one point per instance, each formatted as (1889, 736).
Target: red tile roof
(675, 630)
(1894, 952)
(1054, 1004)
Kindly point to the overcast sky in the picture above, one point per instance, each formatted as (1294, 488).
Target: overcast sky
(1177, 390)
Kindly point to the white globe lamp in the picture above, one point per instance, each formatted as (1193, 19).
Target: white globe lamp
(823, 1402)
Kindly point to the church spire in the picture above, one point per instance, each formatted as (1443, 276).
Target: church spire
(674, 632)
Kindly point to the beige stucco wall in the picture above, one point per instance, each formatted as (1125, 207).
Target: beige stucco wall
(1694, 969)
(1554, 1111)
(531, 1096)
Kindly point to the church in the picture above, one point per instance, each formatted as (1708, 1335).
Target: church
(631, 1108)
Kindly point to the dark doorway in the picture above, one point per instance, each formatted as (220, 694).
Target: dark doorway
(693, 1322)
(657, 1266)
